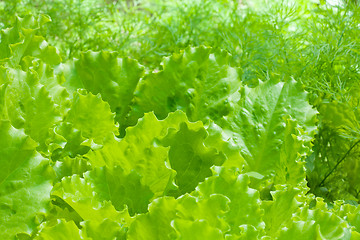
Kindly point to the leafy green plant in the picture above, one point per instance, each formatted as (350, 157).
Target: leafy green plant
(236, 121)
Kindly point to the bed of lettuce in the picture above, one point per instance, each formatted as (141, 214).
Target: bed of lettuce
(250, 131)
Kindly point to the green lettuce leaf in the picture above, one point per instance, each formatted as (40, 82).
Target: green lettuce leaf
(59, 230)
(197, 81)
(278, 213)
(82, 200)
(51, 80)
(78, 193)
(22, 40)
(317, 223)
(123, 190)
(184, 218)
(296, 146)
(25, 183)
(244, 206)
(104, 230)
(196, 230)
(156, 223)
(138, 151)
(68, 166)
(103, 72)
(98, 125)
(257, 121)
(67, 141)
(210, 209)
(155, 148)
(189, 157)
(30, 106)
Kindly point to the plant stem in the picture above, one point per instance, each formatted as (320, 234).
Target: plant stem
(337, 164)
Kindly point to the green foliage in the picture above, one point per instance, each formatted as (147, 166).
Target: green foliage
(26, 179)
(179, 120)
